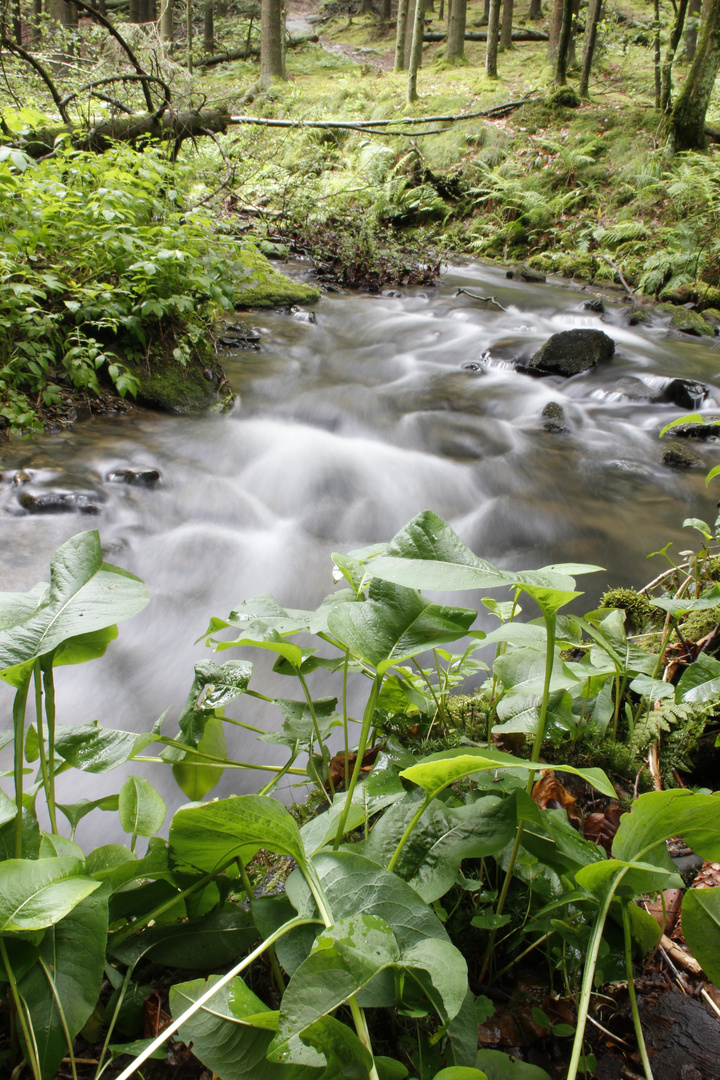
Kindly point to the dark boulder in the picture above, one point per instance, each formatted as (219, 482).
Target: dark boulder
(59, 502)
(526, 273)
(554, 418)
(678, 456)
(570, 352)
(473, 365)
(136, 477)
(595, 305)
(686, 393)
(705, 432)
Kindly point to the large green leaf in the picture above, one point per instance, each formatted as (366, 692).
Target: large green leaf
(658, 815)
(75, 812)
(206, 836)
(84, 647)
(231, 1034)
(436, 771)
(96, 749)
(212, 941)
(345, 958)
(395, 623)
(38, 893)
(85, 594)
(142, 808)
(72, 954)
(214, 686)
(194, 774)
(499, 1066)
(428, 554)
(627, 878)
(701, 927)
(460, 1072)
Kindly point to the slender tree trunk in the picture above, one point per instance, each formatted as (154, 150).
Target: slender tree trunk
(691, 33)
(167, 30)
(506, 26)
(535, 11)
(189, 32)
(37, 15)
(492, 40)
(656, 51)
(386, 10)
(572, 56)
(416, 50)
(555, 25)
(441, 11)
(561, 60)
(675, 35)
(271, 41)
(407, 48)
(151, 7)
(402, 16)
(455, 46)
(209, 28)
(221, 8)
(134, 11)
(59, 10)
(687, 120)
(142, 11)
(591, 27)
(485, 17)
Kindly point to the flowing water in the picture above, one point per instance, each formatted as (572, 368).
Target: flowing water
(344, 429)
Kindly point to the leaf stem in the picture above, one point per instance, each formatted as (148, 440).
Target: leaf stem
(587, 982)
(15, 995)
(408, 832)
(631, 991)
(49, 683)
(364, 731)
(41, 744)
(19, 703)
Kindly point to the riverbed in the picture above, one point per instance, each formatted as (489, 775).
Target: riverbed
(348, 422)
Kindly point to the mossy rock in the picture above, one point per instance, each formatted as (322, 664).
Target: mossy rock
(565, 97)
(700, 623)
(692, 323)
(265, 287)
(637, 607)
(712, 316)
(170, 387)
(678, 456)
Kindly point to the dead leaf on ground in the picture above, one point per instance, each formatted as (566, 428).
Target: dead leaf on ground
(600, 827)
(337, 766)
(665, 909)
(549, 794)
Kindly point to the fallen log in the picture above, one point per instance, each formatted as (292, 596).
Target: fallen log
(171, 126)
(481, 35)
(249, 53)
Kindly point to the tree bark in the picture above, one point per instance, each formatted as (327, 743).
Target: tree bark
(37, 15)
(416, 50)
(666, 75)
(134, 11)
(535, 11)
(591, 27)
(656, 53)
(402, 16)
(691, 32)
(455, 47)
(555, 25)
(687, 120)
(386, 10)
(271, 51)
(170, 126)
(563, 46)
(506, 38)
(189, 32)
(492, 40)
(167, 30)
(209, 27)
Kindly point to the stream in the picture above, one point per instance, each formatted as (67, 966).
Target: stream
(346, 427)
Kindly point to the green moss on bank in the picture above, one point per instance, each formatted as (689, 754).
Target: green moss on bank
(264, 286)
(170, 387)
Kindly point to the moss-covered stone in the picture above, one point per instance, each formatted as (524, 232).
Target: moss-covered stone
(264, 286)
(692, 323)
(678, 456)
(170, 387)
(636, 606)
(712, 316)
(565, 97)
(700, 623)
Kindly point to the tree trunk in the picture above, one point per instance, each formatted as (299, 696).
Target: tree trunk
(492, 40)
(656, 53)
(271, 34)
(591, 26)
(402, 16)
(167, 29)
(675, 35)
(37, 16)
(189, 33)
(691, 33)
(687, 120)
(441, 10)
(485, 17)
(506, 26)
(416, 50)
(407, 48)
(455, 47)
(555, 25)
(209, 27)
(151, 10)
(535, 11)
(134, 11)
(561, 60)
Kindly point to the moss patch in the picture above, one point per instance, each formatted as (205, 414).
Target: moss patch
(264, 286)
(171, 388)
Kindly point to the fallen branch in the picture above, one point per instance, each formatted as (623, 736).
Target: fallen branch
(249, 51)
(682, 958)
(481, 35)
(619, 273)
(176, 126)
(485, 299)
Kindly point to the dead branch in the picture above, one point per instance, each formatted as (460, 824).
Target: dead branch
(228, 177)
(619, 273)
(485, 299)
(481, 35)
(249, 51)
(30, 59)
(119, 78)
(144, 77)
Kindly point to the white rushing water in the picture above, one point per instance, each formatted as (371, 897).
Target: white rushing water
(344, 429)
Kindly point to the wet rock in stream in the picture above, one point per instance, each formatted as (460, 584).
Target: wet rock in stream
(238, 335)
(554, 418)
(707, 432)
(526, 273)
(595, 305)
(687, 393)
(60, 502)
(634, 389)
(569, 353)
(135, 477)
(678, 456)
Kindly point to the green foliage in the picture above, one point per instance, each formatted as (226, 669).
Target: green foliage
(636, 606)
(101, 273)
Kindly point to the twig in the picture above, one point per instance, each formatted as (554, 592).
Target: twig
(619, 273)
(121, 78)
(485, 299)
(682, 958)
(104, 21)
(30, 59)
(228, 178)
(710, 1001)
(661, 577)
(609, 1033)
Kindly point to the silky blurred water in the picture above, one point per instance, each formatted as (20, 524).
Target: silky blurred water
(344, 429)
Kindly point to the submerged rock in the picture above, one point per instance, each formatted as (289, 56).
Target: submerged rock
(686, 393)
(678, 456)
(554, 416)
(60, 502)
(705, 432)
(570, 352)
(635, 389)
(473, 365)
(596, 305)
(136, 477)
(526, 273)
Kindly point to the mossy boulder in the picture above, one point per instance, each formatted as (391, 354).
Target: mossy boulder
(554, 418)
(692, 323)
(637, 607)
(565, 97)
(571, 352)
(678, 456)
(171, 387)
(263, 286)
